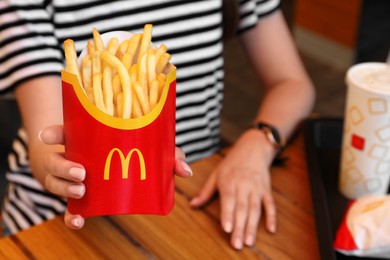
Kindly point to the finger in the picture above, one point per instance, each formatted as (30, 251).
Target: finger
(253, 220)
(207, 191)
(73, 221)
(182, 169)
(228, 202)
(240, 218)
(270, 212)
(64, 188)
(58, 166)
(52, 135)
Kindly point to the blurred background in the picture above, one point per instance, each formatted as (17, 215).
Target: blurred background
(331, 35)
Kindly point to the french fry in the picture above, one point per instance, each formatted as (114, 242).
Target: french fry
(142, 98)
(146, 40)
(108, 91)
(133, 47)
(97, 82)
(123, 46)
(151, 67)
(153, 94)
(86, 73)
(119, 107)
(161, 78)
(137, 111)
(98, 92)
(125, 81)
(71, 58)
(160, 51)
(97, 39)
(162, 62)
(142, 73)
(113, 45)
(90, 47)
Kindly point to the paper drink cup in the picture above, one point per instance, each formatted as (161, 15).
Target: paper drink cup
(129, 162)
(365, 157)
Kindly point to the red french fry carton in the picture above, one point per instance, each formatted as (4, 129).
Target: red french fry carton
(129, 162)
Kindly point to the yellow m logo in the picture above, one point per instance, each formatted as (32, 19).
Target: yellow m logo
(125, 163)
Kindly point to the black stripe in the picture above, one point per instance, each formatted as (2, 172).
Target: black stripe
(15, 8)
(24, 143)
(18, 52)
(43, 193)
(17, 195)
(204, 88)
(199, 128)
(198, 62)
(196, 46)
(200, 75)
(30, 63)
(214, 146)
(12, 219)
(18, 162)
(20, 22)
(186, 33)
(130, 12)
(48, 208)
(10, 88)
(25, 217)
(25, 36)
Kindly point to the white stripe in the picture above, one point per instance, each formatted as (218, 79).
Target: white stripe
(266, 6)
(36, 219)
(199, 145)
(204, 133)
(17, 216)
(30, 71)
(18, 147)
(201, 82)
(194, 40)
(47, 213)
(30, 56)
(9, 223)
(138, 18)
(187, 125)
(200, 68)
(46, 200)
(28, 181)
(193, 111)
(22, 133)
(196, 97)
(12, 164)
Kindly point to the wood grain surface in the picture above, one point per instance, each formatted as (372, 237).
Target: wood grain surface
(185, 233)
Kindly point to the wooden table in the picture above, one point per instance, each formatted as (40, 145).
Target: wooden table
(185, 233)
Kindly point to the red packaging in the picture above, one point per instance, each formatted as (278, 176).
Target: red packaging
(129, 162)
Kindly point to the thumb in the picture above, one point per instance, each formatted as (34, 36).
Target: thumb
(207, 191)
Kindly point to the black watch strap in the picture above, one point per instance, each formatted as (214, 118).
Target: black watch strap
(271, 133)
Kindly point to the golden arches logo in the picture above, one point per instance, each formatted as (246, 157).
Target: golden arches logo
(125, 163)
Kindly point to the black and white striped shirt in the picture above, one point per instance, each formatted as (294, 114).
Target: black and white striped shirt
(31, 37)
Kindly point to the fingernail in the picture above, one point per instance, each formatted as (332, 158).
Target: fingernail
(40, 135)
(272, 228)
(227, 226)
(77, 173)
(187, 168)
(237, 243)
(77, 190)
(249, 240)
(77, 222)
(194, 202)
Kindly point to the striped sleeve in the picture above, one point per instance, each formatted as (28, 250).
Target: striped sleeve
(28, 46)
(252, 10)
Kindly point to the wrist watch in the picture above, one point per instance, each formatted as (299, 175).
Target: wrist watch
(271, 133)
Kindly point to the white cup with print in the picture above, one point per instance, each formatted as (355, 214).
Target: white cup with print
(365, 151)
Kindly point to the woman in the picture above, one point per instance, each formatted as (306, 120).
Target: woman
(31, 55)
